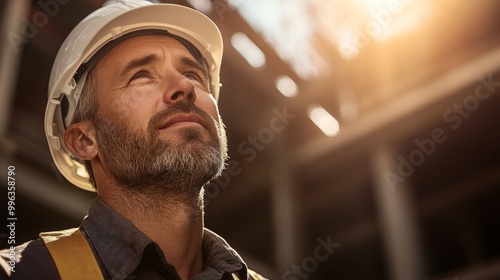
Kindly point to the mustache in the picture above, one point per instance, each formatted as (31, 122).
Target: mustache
(180, 107)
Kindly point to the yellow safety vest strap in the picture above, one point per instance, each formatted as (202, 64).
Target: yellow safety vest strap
(72, 255)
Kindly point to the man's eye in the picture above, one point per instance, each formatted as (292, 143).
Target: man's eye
(194, 76)
(140, 74)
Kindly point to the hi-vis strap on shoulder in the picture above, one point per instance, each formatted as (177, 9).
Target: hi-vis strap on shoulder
(72, 255)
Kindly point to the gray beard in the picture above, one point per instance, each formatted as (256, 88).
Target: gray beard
(141, 162)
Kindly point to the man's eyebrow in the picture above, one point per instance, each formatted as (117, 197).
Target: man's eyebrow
(138, 62)
(195, 63)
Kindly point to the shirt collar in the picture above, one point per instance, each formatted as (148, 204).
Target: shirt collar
(219, 255)
(120, 245)
(117, 242)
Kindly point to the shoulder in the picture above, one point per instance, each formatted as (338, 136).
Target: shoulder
(30, 260)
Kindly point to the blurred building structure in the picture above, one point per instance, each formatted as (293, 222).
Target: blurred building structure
(367, 128)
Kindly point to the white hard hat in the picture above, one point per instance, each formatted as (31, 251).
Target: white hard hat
(104, 25)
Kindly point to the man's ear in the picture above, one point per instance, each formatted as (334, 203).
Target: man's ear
(81, 139)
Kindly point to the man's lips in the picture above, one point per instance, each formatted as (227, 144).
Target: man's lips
(182, 119)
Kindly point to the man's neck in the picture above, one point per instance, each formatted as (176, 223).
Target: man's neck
(174, 221)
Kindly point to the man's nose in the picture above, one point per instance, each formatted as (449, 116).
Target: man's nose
(179, 88)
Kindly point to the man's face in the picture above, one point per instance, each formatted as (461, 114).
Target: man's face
(157, 124)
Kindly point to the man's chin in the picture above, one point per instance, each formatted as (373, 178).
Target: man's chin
(183, 135)
(194, 133)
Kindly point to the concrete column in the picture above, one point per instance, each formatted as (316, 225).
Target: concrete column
(285, 218)
(397, 217)
(10, 56)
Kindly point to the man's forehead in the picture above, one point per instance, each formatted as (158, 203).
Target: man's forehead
(138, 41)
(142, 45)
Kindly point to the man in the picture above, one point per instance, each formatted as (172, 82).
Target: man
(132, 114)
